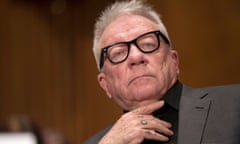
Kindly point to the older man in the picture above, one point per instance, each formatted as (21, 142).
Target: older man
(139, 70)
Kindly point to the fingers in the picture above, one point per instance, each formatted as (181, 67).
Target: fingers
(156, 127)
(148, 109)
(160, 126)
(153, 135)
(139, 124)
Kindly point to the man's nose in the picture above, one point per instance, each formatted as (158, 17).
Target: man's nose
(135, 56)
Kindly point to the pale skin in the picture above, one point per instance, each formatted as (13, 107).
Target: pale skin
(129, 130)
(138, 83)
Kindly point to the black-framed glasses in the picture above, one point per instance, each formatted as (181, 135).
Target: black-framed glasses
(118, 52)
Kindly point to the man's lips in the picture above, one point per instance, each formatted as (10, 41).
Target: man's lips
(138, 77)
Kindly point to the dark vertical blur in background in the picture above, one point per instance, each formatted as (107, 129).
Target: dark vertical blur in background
(47, 70)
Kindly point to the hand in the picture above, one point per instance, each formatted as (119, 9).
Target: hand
(135, 126)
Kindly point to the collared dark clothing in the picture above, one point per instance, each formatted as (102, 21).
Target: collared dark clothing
(206, 115)
(169, 112)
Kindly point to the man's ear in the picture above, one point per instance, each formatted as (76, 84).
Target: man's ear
(176, 60)
(103, 83)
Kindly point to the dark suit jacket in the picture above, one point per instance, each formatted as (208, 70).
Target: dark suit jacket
(207, 116)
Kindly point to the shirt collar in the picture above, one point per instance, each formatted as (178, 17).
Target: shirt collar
(172, 97)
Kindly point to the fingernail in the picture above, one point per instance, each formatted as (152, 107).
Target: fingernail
(171, 133)
(169, 125)
(162, 101)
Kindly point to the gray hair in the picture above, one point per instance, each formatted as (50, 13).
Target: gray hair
(135, 7)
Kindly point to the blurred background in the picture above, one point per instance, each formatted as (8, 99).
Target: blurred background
(48, 73)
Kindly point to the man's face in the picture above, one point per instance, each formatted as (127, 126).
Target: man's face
(143, 77)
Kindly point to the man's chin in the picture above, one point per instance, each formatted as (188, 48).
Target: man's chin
(142, 103)
(145, 92)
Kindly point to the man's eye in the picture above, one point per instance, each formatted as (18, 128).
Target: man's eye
(118, 53)
(148, 46)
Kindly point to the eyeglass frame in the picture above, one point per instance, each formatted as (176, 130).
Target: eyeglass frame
(104, 51)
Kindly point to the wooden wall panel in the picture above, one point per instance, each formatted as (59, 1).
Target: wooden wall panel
(205, 33)
(47, 70)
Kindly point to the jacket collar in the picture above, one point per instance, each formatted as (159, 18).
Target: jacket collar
(194, 107)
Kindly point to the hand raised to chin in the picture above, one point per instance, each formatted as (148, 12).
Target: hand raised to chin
(135, 126)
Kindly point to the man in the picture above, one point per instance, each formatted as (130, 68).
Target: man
(139, 71)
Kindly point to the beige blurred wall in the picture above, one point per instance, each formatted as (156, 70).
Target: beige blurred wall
(47, 70)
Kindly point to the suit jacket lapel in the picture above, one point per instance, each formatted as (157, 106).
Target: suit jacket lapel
(194, 108)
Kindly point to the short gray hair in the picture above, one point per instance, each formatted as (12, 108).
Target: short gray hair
(135, 7)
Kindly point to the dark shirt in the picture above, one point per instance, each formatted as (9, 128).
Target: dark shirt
(169, 112)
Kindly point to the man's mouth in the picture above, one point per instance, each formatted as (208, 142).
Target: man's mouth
(138, 78)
